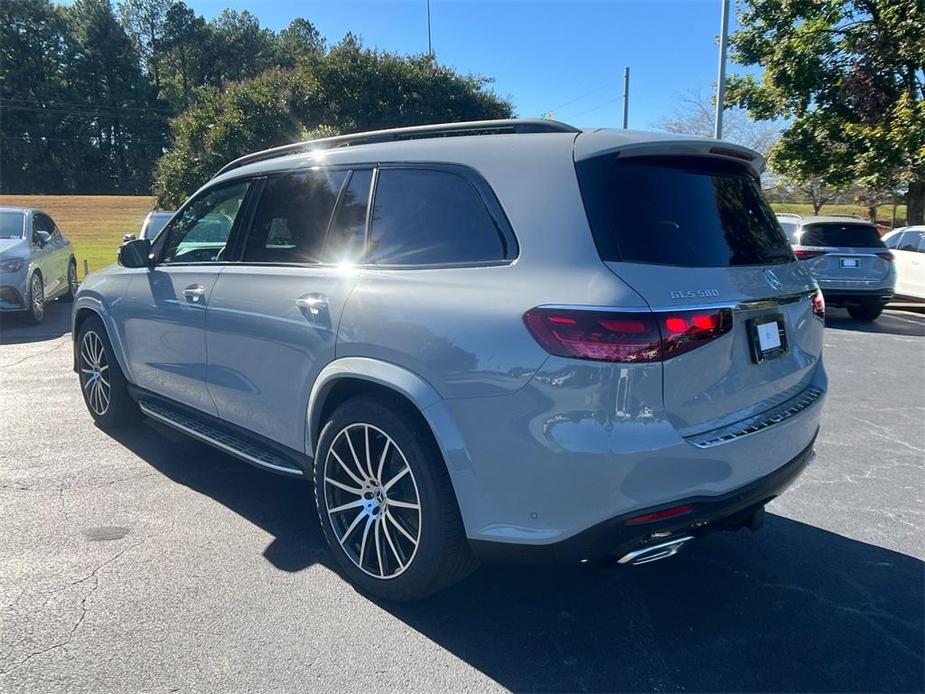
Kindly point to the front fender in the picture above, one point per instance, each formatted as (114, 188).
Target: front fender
(89, 302)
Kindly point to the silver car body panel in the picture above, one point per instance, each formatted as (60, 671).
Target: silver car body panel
(538, 447)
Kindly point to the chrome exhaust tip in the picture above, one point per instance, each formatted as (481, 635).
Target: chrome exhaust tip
(651, 553)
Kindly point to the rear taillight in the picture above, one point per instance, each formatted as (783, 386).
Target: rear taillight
(819, 305)
(806, 255)
(664, 514)
(886, 255)
(624, 336)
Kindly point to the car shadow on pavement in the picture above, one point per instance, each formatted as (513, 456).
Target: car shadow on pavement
(14, 330)
(791, 608)
(889, 323)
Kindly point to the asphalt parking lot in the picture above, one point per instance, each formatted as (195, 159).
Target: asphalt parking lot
(148, 562)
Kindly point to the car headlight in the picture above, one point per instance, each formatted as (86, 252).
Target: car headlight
(12, 265)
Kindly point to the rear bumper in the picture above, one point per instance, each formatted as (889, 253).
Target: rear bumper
(839, 297)
(730, 511)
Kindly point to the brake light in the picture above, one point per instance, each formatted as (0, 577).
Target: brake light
(886, 255)
(624, 336)
(819, 305)
(805, 255)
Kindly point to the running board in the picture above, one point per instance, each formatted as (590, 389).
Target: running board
(221, 439)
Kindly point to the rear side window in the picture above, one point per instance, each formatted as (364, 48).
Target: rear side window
(291, 219)
(841, 234)
(431, 217)
(686, 211)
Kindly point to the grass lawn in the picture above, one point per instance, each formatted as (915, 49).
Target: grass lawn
(94, 223)
(884, 213)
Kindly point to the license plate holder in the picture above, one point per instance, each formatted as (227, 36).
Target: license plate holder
(767, 337)
(849, 263)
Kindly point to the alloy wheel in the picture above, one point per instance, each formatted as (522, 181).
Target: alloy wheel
(94, 373)
(372, 500)
(38, 298)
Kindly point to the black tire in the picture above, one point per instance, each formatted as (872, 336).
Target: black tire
(865, 313)
(111, 407)
(442, 555)
(35, 300)
(72, 283)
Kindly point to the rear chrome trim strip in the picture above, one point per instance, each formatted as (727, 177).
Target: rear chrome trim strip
(218, 439)
(753, 425)
(750, 305)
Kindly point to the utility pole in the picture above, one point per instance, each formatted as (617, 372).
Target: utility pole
(626, 97)
(721, 77)
(430, 46)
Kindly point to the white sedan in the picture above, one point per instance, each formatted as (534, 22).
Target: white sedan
(908, 247)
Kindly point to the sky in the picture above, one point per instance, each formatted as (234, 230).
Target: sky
(564, 57)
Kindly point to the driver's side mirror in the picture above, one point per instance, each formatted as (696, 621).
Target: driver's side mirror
(40, 238)
(135, 253)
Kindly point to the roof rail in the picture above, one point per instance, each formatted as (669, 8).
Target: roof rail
(479, 127)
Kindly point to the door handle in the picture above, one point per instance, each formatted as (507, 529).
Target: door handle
(194, 292)
(315, 308)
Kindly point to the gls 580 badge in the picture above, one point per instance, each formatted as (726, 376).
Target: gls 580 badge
(694, 293)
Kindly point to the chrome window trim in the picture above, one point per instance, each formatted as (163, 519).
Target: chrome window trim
(750, 305)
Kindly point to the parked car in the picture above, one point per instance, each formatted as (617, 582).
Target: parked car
(506, 340)
(907, 244)
(847, 258)
(37, 262)
(151, 226)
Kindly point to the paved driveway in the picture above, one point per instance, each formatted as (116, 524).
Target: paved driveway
(149, 562)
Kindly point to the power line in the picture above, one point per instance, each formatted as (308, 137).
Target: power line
(579, 98)
(601, 105)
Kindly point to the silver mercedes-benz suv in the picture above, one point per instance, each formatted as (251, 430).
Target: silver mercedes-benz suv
(508, 339)
(846, 256)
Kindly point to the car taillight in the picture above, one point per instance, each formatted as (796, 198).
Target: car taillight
(806, 255)
(886, 255)
(624, 336)
(819, 305)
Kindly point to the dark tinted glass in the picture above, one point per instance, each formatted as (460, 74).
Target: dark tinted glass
(841, 234)
(292, 217)
(430, 217)
(42, 222)
(348, 229)
(689, 211)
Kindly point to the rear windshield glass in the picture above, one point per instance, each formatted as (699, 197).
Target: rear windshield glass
(841, 234)
(689, 211)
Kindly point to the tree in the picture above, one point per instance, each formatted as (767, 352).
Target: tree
(35, 132)
(242, 48)
(694, 115)
(299, 41)
(849, 75)
(145, 20)
(347, 90)
(188, 57)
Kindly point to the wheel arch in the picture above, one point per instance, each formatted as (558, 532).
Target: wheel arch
(349, 376)
(86, 307)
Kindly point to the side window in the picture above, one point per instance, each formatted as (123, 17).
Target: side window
(42, 222)
(200, 232)
(291, 219)
(922, 242)
(909, 241)
(348, 229)
(894, 241)
(426, 217)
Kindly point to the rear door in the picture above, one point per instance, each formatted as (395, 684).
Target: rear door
(907, 248)
(273, 315)
(694, 232)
